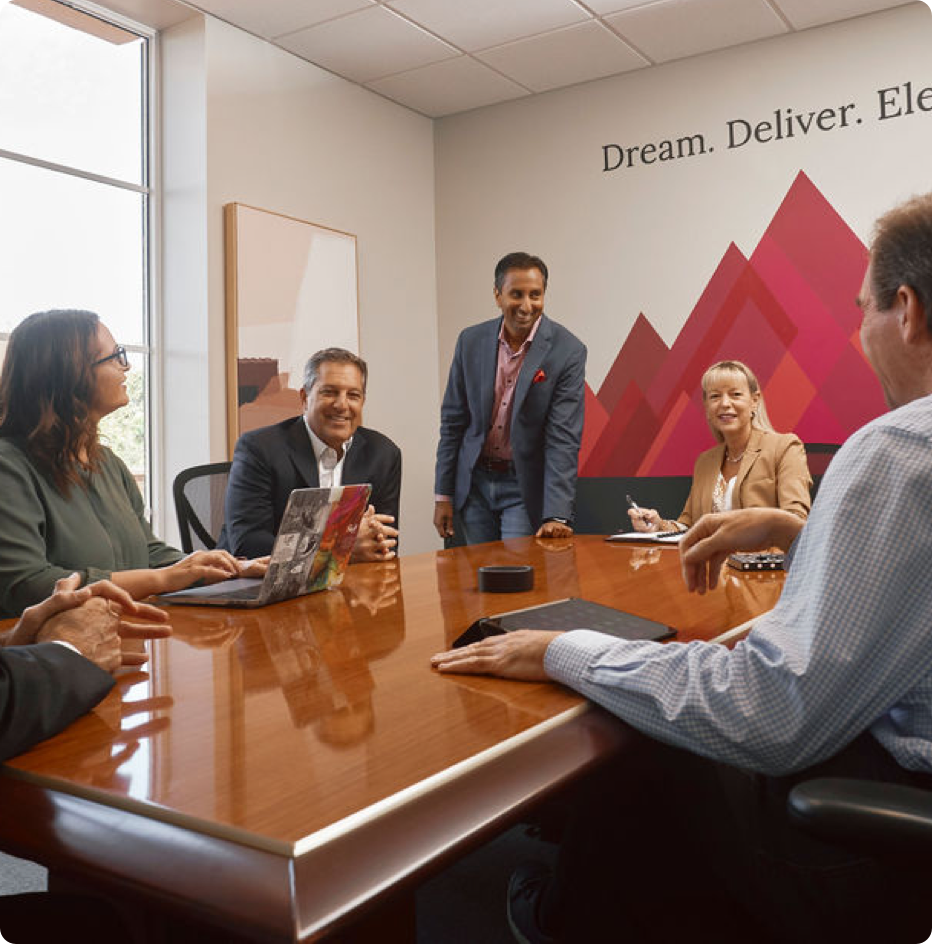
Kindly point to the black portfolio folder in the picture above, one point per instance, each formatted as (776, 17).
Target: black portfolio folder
(572, 613)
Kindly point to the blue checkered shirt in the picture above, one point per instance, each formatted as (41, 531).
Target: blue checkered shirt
(848, 646)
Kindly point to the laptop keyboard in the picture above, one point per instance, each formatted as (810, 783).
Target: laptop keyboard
(247, 593)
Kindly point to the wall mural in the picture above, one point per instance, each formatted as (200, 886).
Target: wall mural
(788, 311)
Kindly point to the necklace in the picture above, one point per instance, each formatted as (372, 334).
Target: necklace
(729, 458)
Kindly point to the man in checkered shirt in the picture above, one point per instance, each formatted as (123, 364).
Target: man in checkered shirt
(686, 838)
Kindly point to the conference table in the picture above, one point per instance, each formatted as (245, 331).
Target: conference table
(282, 774)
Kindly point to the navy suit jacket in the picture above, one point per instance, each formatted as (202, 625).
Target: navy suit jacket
(43, 688)
(269, 463)
(546, 420)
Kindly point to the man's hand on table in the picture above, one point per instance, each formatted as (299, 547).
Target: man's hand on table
(516, 655)
(93, 620)
(68, 595)
(376, 539)
(554, 529)
(707, 544)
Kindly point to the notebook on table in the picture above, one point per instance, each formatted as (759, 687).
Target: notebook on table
(310, 553)
(646, 537)
(572, 613)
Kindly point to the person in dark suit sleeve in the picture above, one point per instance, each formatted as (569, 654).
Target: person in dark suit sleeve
(325, 445)
(56, 662)
(512, 417)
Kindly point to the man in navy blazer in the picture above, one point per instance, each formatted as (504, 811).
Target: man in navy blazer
(512, 417)
(325, 445)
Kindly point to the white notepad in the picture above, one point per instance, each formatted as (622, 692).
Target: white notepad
(646, 537)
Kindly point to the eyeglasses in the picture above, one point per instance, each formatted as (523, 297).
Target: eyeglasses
(118, 355)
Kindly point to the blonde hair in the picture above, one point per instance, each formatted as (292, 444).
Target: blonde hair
(759, 418)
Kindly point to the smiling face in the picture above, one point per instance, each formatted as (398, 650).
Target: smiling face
(729, 404)
(521, 300)
(333, 406)
(110, 391)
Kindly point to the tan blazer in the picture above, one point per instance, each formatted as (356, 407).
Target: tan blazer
(773, 474)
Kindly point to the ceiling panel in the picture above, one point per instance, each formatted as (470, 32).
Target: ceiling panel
(614, 6)
(564, 57)
(367, 45)
(675, 29)
(448, 87)
(477, 24)
(270, 18)
(805, 13)
(411, 50)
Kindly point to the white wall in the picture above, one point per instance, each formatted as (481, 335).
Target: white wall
(181, 385)
(528, 174)
(262, 127)
(288, 137)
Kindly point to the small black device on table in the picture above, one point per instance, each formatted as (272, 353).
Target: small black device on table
(756, 561)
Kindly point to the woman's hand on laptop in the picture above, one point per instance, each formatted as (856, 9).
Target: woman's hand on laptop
(256, 567)
(205, 566)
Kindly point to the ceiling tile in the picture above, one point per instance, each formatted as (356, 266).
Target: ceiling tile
(275, 17)
(367, 45)
(674, 29)
(448, 87)
(477, 24)
(614, 6)
(805, 13)
(563, 57)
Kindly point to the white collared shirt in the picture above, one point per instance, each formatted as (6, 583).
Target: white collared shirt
(329, 465)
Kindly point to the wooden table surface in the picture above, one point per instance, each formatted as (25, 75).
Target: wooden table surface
(279, 768)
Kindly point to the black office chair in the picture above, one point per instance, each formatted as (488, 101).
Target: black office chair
(818, 456)
(199, 494)
(881, 819)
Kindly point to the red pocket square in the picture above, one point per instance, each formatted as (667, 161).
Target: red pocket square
(539, 377)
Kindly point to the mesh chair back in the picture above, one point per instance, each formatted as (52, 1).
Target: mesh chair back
(199, 497)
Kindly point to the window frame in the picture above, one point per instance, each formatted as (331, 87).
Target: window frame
(149, 189)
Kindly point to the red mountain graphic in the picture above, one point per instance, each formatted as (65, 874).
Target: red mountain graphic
(789, 312)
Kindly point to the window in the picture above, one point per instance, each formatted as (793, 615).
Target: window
(75, 191)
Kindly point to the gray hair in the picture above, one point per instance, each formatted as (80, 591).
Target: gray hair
(332, 355)
(901, 254)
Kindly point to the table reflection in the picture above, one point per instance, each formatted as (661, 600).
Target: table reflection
(321, 661)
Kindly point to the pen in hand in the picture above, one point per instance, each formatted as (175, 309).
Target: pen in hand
(633, 505)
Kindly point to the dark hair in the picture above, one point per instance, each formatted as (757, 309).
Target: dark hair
(46, 390)
(333, 355)
(901, 254)
(518, 260)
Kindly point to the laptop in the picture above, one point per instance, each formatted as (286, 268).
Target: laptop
(310, 553)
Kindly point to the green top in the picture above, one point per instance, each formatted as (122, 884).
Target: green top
(45, 535)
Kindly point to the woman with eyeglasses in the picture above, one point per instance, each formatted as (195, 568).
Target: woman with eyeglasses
(67, 503)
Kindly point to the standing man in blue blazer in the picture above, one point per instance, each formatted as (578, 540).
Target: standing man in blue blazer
(512, 417)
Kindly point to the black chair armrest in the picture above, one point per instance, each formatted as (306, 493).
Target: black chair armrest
(877, 818)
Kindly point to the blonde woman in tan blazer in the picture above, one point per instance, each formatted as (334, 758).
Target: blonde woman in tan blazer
(752, 466)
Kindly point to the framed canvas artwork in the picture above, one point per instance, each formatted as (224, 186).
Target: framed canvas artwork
(291, 289)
